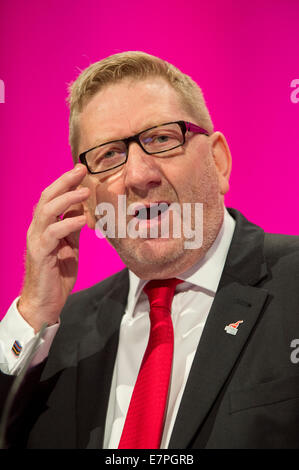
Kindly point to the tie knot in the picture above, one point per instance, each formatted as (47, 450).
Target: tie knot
(160, 292)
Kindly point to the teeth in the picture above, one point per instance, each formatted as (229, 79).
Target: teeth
(152, 211)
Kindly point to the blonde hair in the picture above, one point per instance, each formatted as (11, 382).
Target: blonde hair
(139, 66)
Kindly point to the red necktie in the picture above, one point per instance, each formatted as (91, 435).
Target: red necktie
(145, 418)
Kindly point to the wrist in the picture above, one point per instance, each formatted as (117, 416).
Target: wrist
(32, 315)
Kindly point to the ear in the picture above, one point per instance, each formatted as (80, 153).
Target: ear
(222, 158)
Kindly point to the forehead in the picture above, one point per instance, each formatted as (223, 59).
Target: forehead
(128, 107)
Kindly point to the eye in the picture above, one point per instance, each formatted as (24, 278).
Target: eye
(162, 138)
(109, 154)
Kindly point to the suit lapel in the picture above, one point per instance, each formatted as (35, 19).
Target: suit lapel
(216, 355)
(96, 357)
(237, 298)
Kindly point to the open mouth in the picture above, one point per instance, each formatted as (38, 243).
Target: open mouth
(152, 211)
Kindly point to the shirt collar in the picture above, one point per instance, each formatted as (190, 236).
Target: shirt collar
(206, 273)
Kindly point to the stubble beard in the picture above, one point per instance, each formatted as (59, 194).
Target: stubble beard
(160, 258)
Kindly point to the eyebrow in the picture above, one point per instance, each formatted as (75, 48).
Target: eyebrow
(151, 124)
(101, 141)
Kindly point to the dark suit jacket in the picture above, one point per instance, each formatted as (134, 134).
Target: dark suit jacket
(242, 391)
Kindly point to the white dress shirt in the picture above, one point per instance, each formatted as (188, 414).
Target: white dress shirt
(190, 309)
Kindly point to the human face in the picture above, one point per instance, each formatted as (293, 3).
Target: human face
(196, 172)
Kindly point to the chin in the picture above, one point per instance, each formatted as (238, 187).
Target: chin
(156, 257)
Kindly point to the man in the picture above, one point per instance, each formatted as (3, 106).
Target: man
(141, 130)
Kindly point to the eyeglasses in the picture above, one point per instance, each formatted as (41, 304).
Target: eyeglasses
(155, 140)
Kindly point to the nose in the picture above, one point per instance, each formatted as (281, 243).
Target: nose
(141, 171)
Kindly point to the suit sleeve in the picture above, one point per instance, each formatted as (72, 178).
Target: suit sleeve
(16, 340)
(25, 408)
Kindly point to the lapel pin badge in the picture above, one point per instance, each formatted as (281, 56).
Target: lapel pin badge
(232, 328)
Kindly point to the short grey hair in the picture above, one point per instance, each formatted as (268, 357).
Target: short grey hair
(138, 66)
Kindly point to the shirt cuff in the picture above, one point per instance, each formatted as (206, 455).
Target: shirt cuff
(16, 339)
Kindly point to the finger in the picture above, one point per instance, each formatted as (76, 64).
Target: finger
(49, 213)
(73, 211)
(59, 230)
(66, 182)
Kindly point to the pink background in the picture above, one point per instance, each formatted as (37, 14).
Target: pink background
(243, 54)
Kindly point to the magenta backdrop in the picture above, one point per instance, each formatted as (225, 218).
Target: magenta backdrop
(243, 54)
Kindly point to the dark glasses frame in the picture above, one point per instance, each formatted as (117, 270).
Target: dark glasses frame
(184, 125)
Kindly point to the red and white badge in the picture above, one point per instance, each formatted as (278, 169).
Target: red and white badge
(232, 328)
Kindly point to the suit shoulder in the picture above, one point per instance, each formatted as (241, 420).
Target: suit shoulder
(279, 245)
(282, 253)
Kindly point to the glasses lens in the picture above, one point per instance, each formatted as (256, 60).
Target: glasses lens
(106, 156)
(162, 138)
